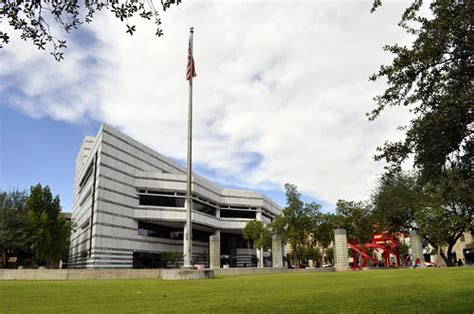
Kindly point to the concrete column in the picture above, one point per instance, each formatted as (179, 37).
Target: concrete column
(215, 251)
(340, 249)
(259, 252)
(416, 247)
(277, 251)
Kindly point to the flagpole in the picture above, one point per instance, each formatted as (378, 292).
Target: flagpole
(188, 233)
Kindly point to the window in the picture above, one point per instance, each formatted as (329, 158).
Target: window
(155, 200)
(157, 231)
(232, 213)
(265, 214)
(203, 207)
(87, 175)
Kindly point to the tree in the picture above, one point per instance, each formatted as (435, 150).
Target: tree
(356, 218)
(172, 257)
(13, 226)
(34, 19)
(261, 236)
(322, 233)
(434, 77)
(296, 223)
(442, 212)
(49, 230)
(395, 200)
(330, 256)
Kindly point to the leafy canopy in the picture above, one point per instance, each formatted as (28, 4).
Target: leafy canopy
(441, 211)
(296, 224)
(259, 233)
(50, 231)
(434, 78)
(35, 19)
(13, 225)
(356, 218)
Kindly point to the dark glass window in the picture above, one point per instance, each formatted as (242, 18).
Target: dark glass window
(157, 231)
(231, 242)
(87, 175)
(267, 215)
(229, 213)
(204, 208)
(155, 200)
(147, 260)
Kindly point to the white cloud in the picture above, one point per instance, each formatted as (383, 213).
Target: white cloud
(281, 92)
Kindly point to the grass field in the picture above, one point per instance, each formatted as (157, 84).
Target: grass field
(402, 291)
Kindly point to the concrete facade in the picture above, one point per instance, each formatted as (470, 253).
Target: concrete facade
(129, 200)
(341, 256)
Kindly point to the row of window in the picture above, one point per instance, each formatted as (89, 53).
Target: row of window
(176, 201)
(180, 194)
(158, 231)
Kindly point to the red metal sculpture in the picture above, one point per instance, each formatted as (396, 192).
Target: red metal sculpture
(380, 241)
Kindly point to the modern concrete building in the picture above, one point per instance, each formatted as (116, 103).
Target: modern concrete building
(129, 209)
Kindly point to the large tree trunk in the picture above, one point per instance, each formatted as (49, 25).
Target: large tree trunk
(4, 259)
(446, 257)
(449, 260)
(296, 260)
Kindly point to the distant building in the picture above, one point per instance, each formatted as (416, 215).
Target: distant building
(464, 249)
(128, 208)
(66, 215)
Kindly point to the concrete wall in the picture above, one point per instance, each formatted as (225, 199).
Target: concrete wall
(77, 274)
(267, 270)
(93, 274)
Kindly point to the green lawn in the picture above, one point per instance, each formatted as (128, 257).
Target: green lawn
(402, 291)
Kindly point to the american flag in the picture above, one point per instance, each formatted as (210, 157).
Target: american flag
(190, 69)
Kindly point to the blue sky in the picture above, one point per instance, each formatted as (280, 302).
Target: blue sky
(282, 99)
(39, 151)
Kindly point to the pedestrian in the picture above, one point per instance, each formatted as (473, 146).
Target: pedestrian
(460, 263)
(417, 263)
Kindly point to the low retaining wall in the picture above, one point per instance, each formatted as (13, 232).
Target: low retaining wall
(74, 274)
(78, 274)
(187, 274)
(267, 270)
